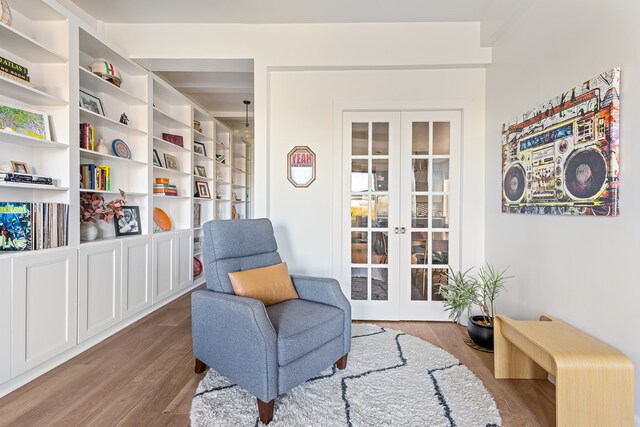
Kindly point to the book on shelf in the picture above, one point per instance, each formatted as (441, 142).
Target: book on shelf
(94, 177)
(170, 190)
(17, 68)
(33, 226)
(17, 79)
(25, 178)
(15, 74)
(87, 137)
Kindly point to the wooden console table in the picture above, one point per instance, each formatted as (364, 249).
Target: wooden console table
(594, 382)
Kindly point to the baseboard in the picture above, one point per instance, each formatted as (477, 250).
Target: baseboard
(637, 421)
(25, 378)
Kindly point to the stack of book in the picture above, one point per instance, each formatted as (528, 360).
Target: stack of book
(87, 136)
(15, 72)
(95, 177)
(165, 189)
(33, 226)
(25, 178)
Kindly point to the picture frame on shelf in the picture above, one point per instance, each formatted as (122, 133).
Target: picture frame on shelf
(220, 158)
(171, 162)
(199, 148)
(234, 196)
(128, 224)
(25, 121)
(173, 139)
(197, 212)
(91, 102)
(200, 171)
(19, 167)
(156, 158)
(202, 190)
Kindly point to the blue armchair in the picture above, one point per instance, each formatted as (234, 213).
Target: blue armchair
(265, 350)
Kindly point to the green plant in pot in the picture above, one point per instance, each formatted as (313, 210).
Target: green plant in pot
(464, 291)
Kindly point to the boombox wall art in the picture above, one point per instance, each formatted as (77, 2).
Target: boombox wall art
(562, 158)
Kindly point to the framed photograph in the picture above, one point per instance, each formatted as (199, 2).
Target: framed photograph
(197, 210)
(200, 171)
(171, 162)
(91, 103)
(173, 139)
(19, 167)
(199, 148)
(202, 190)
(129, 223)
(156, 158)
(25, 122)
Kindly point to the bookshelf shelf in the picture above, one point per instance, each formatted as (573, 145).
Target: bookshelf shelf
(201, 157)
(28, 48)
(95, 84)
(29, 141)
(127, 193)
(38, 187)
(162, 196)
(98, 120)
(167, 120)
(167, 146)
(94, 155)
(199, 136)
(202, 178)
(26, 94)
(172, 172)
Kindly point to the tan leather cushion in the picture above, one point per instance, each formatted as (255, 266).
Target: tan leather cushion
(270, 285)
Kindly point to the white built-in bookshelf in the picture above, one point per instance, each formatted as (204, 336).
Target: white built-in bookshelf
(85, 291)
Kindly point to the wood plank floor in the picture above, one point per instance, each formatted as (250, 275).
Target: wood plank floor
(143, 376)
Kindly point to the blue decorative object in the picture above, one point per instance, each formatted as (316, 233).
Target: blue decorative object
(121, 149)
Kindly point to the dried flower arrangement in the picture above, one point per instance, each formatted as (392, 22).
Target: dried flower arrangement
(92, 205)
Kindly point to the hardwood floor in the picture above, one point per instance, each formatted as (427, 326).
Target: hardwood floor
(144, 376)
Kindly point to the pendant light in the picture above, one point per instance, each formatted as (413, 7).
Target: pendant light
(246, 133)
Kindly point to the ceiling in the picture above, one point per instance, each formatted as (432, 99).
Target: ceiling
(285, 11)
(221, 85)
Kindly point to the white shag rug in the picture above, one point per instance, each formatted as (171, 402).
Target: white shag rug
(391, 379)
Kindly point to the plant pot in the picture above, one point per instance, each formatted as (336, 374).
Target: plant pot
(88, 231)
(480, 333)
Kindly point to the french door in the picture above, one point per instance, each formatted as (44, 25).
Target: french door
(400, 229)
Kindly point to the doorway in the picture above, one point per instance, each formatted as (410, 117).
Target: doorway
(401, 187)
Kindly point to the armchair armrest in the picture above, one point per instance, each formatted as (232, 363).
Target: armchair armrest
(234, 335)
(326, 291)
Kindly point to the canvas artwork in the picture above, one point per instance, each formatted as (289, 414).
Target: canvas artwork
(24, 121)
(562, 158)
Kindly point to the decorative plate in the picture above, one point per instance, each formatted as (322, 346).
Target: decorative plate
(121, 149)
(197, 267)
(161, 220)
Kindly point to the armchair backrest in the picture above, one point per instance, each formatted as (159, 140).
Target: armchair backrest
(237, 245)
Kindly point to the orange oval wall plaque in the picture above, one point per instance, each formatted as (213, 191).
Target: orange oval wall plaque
(301, 166)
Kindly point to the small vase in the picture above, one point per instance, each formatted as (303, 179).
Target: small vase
(101, 147)
(88, 231)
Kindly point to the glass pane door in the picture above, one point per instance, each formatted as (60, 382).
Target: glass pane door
(372, 150)
(426, 192)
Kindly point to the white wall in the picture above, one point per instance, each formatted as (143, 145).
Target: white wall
(302, 106)
(301, 72)
(582, 270)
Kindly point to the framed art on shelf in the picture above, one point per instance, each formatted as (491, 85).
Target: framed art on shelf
(197, 210)
(200, 171)
(129, 223)
(171, 162)
(91, 103)
(19, 167)
(202, 190)
(199, 148)
(25, 122)
(156, 158)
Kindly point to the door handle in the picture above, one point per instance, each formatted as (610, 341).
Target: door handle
(396, 230)
(403, 230)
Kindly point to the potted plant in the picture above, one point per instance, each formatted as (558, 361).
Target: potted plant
(464, 291)
(94, 208)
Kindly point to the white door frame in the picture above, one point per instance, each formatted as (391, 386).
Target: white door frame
(340, 107)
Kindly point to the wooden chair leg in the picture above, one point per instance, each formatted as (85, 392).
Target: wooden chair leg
(265, 410)
(342, 362)
(200, 366)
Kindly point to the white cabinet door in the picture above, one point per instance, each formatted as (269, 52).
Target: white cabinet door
(5, 320)
(184, 258)
(164, 266)
(136, 275)
(44, 301)
(99, 287)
